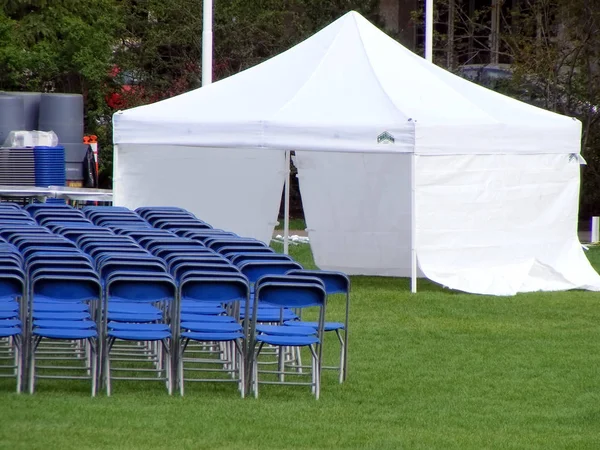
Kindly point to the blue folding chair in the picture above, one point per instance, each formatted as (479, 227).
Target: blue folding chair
(335, 283)
(12, 314)
(69, 287)
(287, 292)
(145, 288)
(226, 337)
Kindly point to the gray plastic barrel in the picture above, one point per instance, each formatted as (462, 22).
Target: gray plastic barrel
(31, 102)
(12, 115)
(63, 114)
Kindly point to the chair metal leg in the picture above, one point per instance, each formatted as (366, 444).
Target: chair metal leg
(32, 370)
(93, 366)
(342, 356)
(19, 363)
(107, 370)
(180, 372)
(316, 372)
(240, 368)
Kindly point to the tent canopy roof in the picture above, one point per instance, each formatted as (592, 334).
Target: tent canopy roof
(340, 90)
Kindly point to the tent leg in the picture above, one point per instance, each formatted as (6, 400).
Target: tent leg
(115, 177)
(286, 208)
(413, 226)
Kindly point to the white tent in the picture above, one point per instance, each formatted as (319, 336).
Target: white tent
(402, 165)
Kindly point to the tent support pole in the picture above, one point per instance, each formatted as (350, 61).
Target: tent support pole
(115, 177)
(413, 226)
(207, 41)
(286, 208)
(429, 30)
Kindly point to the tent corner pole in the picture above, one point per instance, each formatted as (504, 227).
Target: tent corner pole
(207, 41)
(286, 207)
(114, 175)
(413, 226)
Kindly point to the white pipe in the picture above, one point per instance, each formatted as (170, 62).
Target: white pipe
(207, 41)
(429, 30)
(413, 226)
(286, 207)
(595, 233)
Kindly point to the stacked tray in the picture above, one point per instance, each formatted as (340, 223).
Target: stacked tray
(17, 167)
(49, 166)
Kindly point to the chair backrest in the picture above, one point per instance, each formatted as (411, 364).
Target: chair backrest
(335, 282)
(66, 287)
(138, 287)
(218, 243)
(254, 270)
(186, 268)
(240, 258)
(224, 289)
(148, 266)
(173, 259)
(11, 283)
(181, 250)
(227, 251)
(160, 243)
(207, 233)
(290, 291)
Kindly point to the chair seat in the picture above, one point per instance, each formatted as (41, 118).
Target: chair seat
(139, 335)
(279, 330)
(60, 307)
(193, 301)
(291, 341)
(202, 309)
(121, 326)
(262, 305)
(211, 327)
(45, 299)
(132, 308)
(60, 315)
(328, 326)
(211, 337)
(271, 315)
(133, 317)
(67, 333)
(7, 298)
(8, 332)
(8, 315)
(9, 306)
(206, 318)
(10, 323)
(65, 324)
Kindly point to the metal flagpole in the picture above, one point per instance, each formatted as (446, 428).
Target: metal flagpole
(429, 30)
(207, 41)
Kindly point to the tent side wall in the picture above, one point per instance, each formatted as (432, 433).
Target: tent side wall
(501, 224)
(234, 189)
(358, 211)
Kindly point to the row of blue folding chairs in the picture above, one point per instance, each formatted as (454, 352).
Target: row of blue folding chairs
(241, 262)
(12, 291)
(255, 260)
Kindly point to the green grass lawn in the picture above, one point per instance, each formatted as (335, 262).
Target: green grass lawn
(295, 224)
(437, 369)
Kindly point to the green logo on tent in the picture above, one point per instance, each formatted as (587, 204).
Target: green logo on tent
(385, 138)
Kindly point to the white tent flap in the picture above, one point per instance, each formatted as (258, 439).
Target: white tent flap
(500, 224)
(357, 210)
(237, 190)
